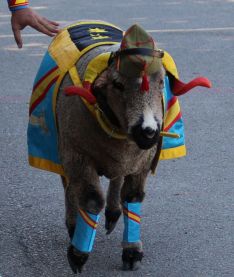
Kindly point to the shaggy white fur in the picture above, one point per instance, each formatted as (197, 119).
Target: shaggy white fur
(149, 120)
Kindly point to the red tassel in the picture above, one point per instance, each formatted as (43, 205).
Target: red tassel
(145, 83)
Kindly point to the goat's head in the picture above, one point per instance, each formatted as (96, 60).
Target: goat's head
(132, 89)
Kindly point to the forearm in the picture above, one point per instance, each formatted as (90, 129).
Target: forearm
(23, 16)
(15, 5)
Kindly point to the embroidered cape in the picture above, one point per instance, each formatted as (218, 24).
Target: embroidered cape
(62, 55)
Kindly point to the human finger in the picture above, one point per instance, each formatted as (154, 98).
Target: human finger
(17, 36)
(51, 22)
(48, 25)
(39, 27)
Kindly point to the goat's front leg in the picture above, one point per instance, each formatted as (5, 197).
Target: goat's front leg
(132, 195)
(113, 208)
(90, 201)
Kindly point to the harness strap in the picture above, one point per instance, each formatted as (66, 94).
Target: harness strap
(94, 109)
(91, 105)
(75, 76)
(105, 123)
(140, 51)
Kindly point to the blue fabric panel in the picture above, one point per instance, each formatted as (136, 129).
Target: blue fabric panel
(46, 65)
(43, 142)
(84, 234)
(131, 227)
(42, 136)
(178, 127)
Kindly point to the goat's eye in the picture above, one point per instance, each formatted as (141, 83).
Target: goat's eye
(118, 85)
(161, 84)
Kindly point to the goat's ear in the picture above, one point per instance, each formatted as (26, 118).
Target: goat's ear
(101, 81)
(161, 76)
(161, 84)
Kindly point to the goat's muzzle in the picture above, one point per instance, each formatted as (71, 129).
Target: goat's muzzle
(145, 138)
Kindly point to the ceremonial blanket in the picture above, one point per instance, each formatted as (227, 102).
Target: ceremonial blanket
(62, 55)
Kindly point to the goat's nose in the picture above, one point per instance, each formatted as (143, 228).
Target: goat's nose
(149, 132)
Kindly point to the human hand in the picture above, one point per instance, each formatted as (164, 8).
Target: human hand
(27, 17)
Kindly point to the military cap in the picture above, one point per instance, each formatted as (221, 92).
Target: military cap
(138, 54)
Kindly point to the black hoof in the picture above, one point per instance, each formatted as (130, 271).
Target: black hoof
(111, 219)
(131, 258)
(70, 229)
(76, 259)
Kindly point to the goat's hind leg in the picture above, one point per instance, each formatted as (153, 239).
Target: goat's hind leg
(113, 208)
(71, 206)
(132, 195)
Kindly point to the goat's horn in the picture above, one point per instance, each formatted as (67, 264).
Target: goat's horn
(83, 92)
(180, 88)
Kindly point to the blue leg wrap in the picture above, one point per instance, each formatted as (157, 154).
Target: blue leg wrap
(85, 231)
(132, 219)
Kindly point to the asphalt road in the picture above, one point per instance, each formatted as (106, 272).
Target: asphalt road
(188, 224)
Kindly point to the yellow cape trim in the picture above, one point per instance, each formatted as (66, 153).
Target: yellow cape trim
(56, 89)
(41, 88)
(64, 51)
(173, 153)
(75, 76)
(46, 165)
(171, 114)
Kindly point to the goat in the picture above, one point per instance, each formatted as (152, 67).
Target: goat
(113, 128)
